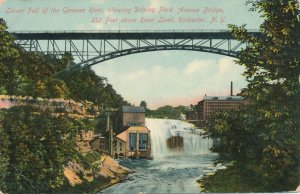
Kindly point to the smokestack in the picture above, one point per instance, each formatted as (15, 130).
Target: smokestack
(231, 89)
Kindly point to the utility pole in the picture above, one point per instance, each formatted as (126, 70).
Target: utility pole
(110, 130)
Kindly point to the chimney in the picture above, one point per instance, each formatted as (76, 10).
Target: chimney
(231, 89)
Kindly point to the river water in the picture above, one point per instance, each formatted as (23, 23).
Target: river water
(169, 171)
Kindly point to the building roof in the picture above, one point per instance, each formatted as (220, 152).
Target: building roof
(228, 98)
(133, 109)
(122, 136)
(138, 128)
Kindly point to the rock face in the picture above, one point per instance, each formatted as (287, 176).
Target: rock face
(72, 172)
(175, 143)
(58, 106)
(109, 169)
(72, 177)
(83, 141)
(298, 189)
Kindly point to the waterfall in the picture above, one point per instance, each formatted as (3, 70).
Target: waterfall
(162, 129)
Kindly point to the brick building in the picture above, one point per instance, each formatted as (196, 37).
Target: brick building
(212, 104)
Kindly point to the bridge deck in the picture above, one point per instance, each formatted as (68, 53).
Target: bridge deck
(110, 35)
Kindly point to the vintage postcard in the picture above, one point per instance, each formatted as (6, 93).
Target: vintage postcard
(149, 96)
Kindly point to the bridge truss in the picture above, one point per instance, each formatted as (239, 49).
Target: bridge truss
(90, 47)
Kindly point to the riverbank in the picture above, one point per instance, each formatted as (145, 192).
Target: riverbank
(231, 179)
(105, 173)
(237, 179)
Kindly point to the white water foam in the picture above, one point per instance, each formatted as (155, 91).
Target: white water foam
(162, 129)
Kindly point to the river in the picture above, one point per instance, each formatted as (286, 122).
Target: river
(169, 171)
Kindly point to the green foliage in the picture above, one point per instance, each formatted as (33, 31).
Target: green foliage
(7, 47)
(100, 123)
(166, 112)
(89, 160)
(265, 137)
(144, 104)
(86, 85)
(92, 157)
(233, 139)
(57, 89)
(9, 53)
(37, 146)
(236, 179)
(4, 159)
(34, 74)
(34, 146)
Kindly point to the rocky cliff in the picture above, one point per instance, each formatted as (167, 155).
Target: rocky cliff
(105, 171)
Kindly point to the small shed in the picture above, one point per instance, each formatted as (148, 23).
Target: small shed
(100, 144)
(133, 116)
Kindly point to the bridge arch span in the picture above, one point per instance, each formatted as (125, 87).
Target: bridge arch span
(117, 54)
(90, 48)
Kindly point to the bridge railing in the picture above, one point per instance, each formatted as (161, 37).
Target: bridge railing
(126, 31)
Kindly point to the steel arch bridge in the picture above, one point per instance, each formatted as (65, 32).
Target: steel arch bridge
(92, 47)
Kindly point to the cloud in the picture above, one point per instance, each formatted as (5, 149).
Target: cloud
(174, 82)
(157, 69)
(196, 66)
(135, 76)
(225, 65)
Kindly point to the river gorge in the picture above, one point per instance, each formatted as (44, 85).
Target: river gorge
(169, 171)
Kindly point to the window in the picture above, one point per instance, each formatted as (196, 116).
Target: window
(132, 141)
(134, 124)
(121, 146)
(143, 141)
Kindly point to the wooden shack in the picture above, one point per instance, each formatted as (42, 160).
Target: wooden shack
(134, 142)
(133, 116)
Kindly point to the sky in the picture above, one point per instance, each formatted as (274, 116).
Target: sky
(161, 77)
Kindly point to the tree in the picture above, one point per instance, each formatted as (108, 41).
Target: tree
(4, 159)
(192, 107)
(57, 89)
(272, 62)
(86, 85)
(234, 138)
(9, 54)
(144, 104)
(265, 136)
(167, 112)
(35, 147)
